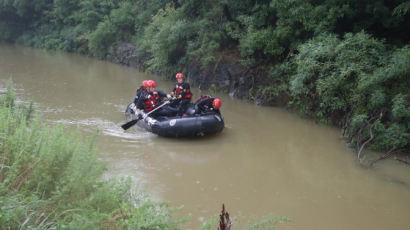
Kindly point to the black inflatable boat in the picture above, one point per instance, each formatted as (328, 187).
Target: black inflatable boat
(185, 126)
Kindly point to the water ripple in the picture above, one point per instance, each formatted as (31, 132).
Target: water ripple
(108, 128)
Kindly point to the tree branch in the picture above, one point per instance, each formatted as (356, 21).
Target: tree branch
(401, 160)
(224, 221)
(386, 155)
(365, 143)
(371, 134)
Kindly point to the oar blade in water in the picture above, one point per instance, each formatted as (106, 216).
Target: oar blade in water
(129, 124)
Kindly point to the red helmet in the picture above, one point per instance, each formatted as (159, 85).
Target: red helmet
(217, 103)
(179, 75)
(151, 83)
(145, 83)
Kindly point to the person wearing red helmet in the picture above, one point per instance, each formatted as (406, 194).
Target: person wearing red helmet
(207, 103)
(182, 93)
(151, 83)
(152, 99)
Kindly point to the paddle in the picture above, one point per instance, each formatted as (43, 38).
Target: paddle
(133, 122)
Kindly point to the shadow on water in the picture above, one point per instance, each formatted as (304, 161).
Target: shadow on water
(379, 172)
(205, 138)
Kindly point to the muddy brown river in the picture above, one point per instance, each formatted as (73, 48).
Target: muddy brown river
(266, 160)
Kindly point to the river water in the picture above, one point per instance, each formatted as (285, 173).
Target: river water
(266, 160)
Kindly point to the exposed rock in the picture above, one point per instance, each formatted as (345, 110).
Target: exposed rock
(127, 54)
(227, 76)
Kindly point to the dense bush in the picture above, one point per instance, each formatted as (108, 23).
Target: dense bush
(166, 38)
(358, 81)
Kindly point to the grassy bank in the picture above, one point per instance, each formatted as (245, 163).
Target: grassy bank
(50, 179)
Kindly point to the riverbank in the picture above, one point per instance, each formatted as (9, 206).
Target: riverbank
(227, 75)
(50, 178)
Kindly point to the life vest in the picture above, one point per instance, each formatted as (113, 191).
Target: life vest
(152, 101)
(203, 98)
(179, 90)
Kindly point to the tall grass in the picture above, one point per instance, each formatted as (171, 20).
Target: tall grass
(50, 179)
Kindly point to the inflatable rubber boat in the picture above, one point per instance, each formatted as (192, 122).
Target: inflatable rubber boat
(181, 126)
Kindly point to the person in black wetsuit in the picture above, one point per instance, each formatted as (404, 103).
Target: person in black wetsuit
(182, 93)
(152, 99)
(142, 90)
(207, 103)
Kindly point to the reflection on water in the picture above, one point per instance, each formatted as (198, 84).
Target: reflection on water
(266, 160)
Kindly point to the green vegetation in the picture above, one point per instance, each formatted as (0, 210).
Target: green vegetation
(356, 80)
(343, 62)
(50, 179)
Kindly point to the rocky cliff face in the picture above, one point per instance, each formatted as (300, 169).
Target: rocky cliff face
(127, 54)
(230, 77)
(226, 76)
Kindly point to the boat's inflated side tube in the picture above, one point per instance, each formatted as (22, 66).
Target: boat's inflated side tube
(188, 126)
